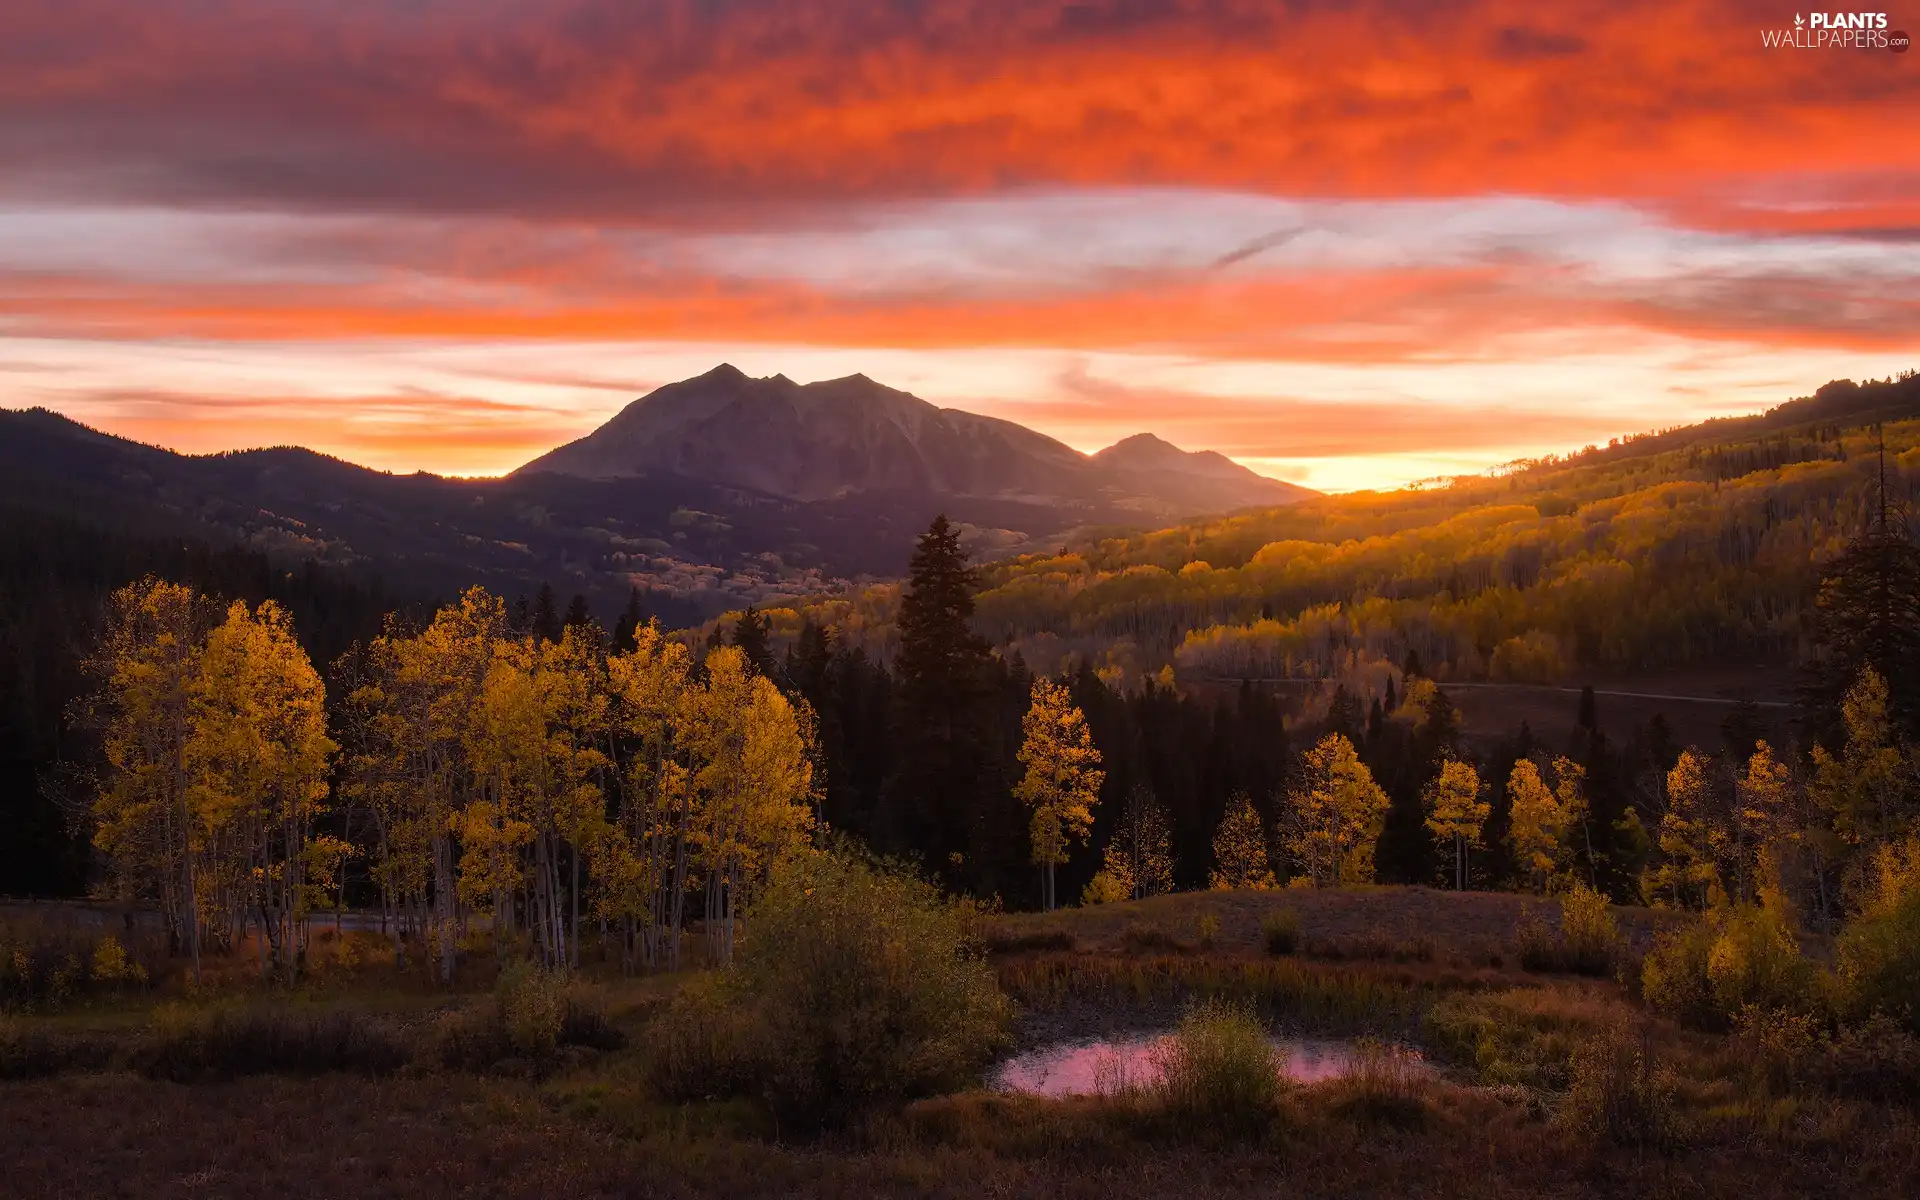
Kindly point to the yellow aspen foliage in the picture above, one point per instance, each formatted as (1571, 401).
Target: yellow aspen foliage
(1335, 814)
(1240, 849)
(1139, 856)
(1062, 780)
(1690, 841)
(1866, 791)
(1455, 813)
(1537, 823)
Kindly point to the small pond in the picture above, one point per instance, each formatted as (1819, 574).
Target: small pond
(1108, 1064)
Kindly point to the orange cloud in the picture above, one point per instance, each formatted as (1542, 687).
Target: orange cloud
(691, 112)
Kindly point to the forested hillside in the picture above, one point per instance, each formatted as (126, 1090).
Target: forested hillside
(1683, 547)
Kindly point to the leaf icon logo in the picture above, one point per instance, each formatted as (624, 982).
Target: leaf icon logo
(1798, 21)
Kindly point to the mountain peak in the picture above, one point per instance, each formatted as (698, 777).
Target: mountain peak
(852, 435)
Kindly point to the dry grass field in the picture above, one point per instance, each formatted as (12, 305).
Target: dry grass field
(1499, 1119)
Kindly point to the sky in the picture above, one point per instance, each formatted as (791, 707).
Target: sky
(1349, 243)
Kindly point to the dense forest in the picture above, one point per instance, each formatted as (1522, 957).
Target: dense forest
(916, 708)
(1682, 548)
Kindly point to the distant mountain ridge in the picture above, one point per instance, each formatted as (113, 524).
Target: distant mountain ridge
(852, 436)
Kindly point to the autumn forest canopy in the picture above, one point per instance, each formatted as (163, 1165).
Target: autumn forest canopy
(1101, 721)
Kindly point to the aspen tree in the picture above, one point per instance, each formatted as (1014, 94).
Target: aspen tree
(1690, 842)
(1537, 823)
(1240, 849)
(1334, 815)
(1062, 780)
(146, 666)
(1455, 813)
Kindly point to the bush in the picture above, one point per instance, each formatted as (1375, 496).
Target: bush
(221, 1043)
(1879, 963)
(531, 1014)
(1873, 1060)
(708, 1044)
(1673, 977)
(854, 986)
(1280, 930)
(47, 962)
(532, 1005)
(1219, 1071)
(1520, 1038)
(1588, 942)
(1386, 1086)
(1618, 1095)
(1104, 888)
(29, 1053)
(1705, 975)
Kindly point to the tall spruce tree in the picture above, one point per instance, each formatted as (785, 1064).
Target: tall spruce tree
(943, 717)
(1868, 615)
(750, 634)
(627, 628)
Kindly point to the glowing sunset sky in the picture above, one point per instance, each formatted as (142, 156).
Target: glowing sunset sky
(1347, 243)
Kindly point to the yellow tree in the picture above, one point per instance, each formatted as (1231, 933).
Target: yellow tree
(1536, 825)
(1865, 789)
(1455, 813)
(145, 667)
(647, 854)
(1576, 837)
(1139, 857)
(1062, 780)
(1240, 849)
(752, 772)
(1690, 840)
(258, 755)
(1766, 816)
(1334, 814)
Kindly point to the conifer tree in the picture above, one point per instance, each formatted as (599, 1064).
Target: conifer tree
(626, 629)
(943, 718)
(1062, 780)
(750, 634)
(1240, 849)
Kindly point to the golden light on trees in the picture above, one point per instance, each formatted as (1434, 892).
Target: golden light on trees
(1062, 780)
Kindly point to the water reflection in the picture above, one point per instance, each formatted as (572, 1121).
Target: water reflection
(1114, 1064)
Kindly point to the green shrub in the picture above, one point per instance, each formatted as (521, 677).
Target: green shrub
(1524, 1037)
(1878, 957)
(1673, 976)
(1874, 1059)
(854, 986)
(1704, 975)
(1220, 1071)
(220, 1043)
(531, 1014)
(708, 1044)
(532, 1005)
(1617, 1093)
(1280, 930)
(1757, 961)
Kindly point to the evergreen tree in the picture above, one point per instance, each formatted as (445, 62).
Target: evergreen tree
(943, 716)
(627, 628)
(1868, 615)
(545, 624)
(579, 613)
(1589, 713)
(750, 634)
